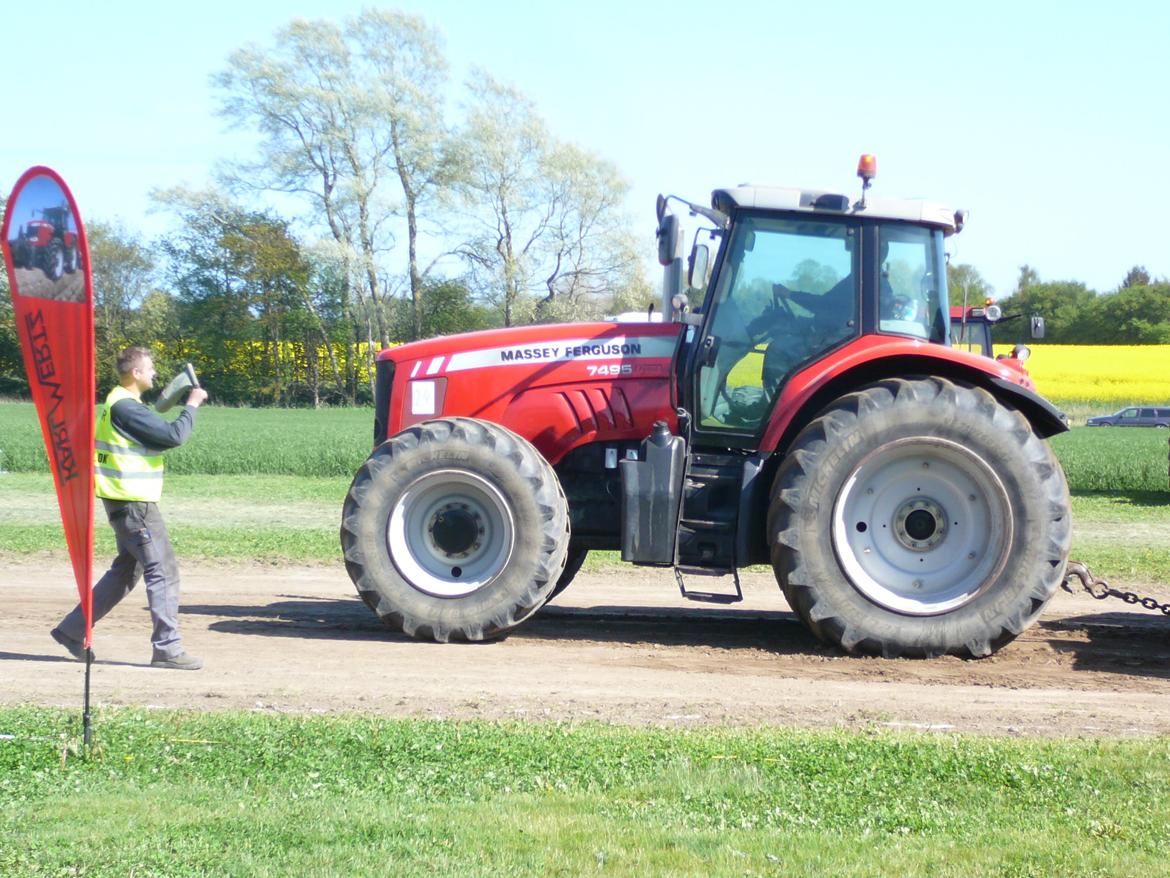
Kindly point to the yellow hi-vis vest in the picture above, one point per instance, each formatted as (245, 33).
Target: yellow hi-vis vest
(123, 468)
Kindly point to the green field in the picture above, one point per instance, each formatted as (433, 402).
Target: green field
(232, 493)
(225, 794)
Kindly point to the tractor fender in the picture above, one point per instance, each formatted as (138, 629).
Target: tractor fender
(871, 359)
(810, 391)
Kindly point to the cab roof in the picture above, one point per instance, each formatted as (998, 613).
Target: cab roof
(834, 204)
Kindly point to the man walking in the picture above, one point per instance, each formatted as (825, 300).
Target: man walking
(128, 477)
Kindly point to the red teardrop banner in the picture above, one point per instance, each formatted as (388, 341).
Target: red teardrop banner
(47, 258)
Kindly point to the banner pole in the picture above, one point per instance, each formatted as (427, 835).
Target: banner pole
(86, 730)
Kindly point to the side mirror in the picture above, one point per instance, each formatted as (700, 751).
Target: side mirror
(697, 269)
(667, 239)
(1037, 326)
(660, 207)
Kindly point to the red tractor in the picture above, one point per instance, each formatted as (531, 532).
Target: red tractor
(48, 243)
(812, 414)
(971, 330)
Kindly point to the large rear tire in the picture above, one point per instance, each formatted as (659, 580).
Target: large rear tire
(919, 517)
(455, 529)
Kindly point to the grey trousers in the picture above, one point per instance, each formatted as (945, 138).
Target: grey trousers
(144, 551)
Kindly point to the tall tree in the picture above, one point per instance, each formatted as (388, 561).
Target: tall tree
(404, 58)
(546, 219)
(344, 113)
(123, 275)
(1136, 277)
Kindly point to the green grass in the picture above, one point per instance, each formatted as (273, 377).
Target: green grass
(230, 518)
(304, 442)
(1115, 458)
(180, 794)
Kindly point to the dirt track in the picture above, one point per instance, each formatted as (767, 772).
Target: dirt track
(619, 647)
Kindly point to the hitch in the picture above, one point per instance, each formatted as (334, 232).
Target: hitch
(1101, 589)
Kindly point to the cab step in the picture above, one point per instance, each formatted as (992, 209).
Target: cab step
(709, 597)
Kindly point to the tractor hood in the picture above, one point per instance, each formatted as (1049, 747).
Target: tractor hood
(559, 386)
(549, 343)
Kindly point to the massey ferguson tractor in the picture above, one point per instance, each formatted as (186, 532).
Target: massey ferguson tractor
(812, 414)
(48, 243)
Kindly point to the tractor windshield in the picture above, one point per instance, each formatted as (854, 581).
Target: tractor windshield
(913, 293)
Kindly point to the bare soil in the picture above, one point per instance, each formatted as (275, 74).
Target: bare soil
(34, 282)
(622, 646)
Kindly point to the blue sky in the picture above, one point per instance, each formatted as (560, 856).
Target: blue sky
(1047, 122)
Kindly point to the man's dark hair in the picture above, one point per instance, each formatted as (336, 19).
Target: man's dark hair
(130, 359)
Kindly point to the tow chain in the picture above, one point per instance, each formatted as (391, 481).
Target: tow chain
(1101, 589)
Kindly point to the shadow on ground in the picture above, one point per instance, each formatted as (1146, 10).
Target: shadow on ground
(1135, 644)
(350, 619)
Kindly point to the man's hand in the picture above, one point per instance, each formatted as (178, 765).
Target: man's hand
(197, 398)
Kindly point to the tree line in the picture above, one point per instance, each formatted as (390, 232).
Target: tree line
(400, 218)
(1136, 311)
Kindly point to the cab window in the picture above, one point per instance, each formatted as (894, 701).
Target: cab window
(912, 292)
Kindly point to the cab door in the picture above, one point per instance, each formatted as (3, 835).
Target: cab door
(786, 292)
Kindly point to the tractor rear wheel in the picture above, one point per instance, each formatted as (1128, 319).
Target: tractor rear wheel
(455, 529)
(919, 517)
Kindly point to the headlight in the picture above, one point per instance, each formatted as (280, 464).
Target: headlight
(1021, 352)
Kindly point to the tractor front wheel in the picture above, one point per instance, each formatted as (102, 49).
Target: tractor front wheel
(455, 529)
(919, 517)
(54, 261)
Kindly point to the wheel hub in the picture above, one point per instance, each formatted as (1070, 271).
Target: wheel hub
(450, 533)
(922, 526)
(456, 530)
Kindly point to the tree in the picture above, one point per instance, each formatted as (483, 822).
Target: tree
(546, 224)
(343, 111)
(1136, 277)
(966, 286)
(1064, 305)
(1132, 315)
(123, 275)
(13, 381)
(1028, 277)
(242, 281)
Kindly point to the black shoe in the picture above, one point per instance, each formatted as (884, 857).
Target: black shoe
(182, 662)
(75, 647)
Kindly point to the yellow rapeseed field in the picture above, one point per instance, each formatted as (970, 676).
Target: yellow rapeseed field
(1109, 374)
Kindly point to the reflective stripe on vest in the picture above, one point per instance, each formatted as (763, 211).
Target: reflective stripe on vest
(123, 468)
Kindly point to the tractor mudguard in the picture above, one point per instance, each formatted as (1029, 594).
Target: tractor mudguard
(1046, 419)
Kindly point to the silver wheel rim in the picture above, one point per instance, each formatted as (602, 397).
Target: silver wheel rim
(451, 533)
(922, 526)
